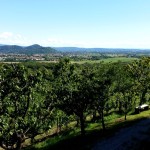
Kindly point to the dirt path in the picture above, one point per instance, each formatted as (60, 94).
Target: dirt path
(129, 138)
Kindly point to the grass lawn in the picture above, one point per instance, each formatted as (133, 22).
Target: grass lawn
(71, 139)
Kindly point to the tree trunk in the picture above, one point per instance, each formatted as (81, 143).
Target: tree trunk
(60, 124)
(101, 114)
(143, 96)
(78, 121)
(120, 107)
(102, 118)
(19, 145)
(82, 124)
(125, 116)
(125, 107)
(20, 140)
(57, 131)
(94, 116)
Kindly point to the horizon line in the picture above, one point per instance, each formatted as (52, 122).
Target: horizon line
(73, 46)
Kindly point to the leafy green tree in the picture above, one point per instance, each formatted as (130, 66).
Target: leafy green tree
(123, 89)
(102, 88)
(140, 72)
(74, 90)
(23, 107)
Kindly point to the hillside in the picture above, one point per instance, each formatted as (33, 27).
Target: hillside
(33, 49)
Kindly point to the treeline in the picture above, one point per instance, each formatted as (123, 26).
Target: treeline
(36, 96)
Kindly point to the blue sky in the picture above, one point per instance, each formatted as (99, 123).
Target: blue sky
(80, 23)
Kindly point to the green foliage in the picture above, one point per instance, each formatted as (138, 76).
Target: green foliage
(23, 108)
(37, 96)
(140, 72)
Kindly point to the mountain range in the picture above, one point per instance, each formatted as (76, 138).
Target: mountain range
(33, 49)
(37, 49)
(102, 50)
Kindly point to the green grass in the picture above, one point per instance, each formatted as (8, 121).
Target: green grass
(105, 60)
(71, 139)
(113, 60)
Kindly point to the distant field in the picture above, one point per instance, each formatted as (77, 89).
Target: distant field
(105, 60)
(115, 59)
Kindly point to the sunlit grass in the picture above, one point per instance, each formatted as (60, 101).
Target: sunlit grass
(108, 60)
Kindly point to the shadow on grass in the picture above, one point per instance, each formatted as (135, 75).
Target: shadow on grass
(70, 142)
(74, 141)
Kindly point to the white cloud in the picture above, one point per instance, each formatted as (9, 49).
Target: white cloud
(6, 35)
(11, 38)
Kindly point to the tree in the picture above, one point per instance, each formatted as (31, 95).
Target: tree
(102, 88)
(123, 88)
(23, 108)
(74, 90)
(140, 72)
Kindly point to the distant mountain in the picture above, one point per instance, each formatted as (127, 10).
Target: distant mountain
(70, 49)
(101, 50)
(37, 49)
(33, 49)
